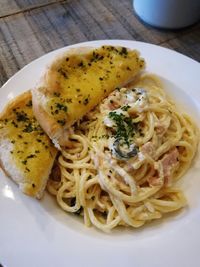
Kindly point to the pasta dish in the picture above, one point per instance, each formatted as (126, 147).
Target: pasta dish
(122, 160)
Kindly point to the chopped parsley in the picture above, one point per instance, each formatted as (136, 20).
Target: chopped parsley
(125, 108)
(21, 116)
(81, 64)
(57, 94)
(63, 73)
(60, 106)
(31, 156)
(29, 128)
(61, 122)
(86, 101)
(125, 128)
(124, 51)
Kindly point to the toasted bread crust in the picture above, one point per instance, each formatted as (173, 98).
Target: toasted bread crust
(52, 129)
(17, 101)
(47, 84)
(56, 81)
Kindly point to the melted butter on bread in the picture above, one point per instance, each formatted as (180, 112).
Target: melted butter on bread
(31, 151)
(78, 81)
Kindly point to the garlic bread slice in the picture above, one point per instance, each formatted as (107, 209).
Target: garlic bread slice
(26, 152)
(77, 81)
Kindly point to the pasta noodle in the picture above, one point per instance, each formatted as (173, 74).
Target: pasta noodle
(123, 159)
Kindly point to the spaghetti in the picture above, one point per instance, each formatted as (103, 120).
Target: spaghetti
(123, 159)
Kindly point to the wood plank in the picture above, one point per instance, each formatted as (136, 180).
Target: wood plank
(9, 7)
(28, 35)
(124, 13)
(187, 43)
(25, 37)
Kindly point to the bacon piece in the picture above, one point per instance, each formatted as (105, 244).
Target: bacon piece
(160, 129)
(113, 105)
(154, 181)
(148, 149)
(115, 100)
(169, 162)
(55, 173)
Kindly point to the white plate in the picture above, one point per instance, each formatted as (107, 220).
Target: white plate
(37, 233)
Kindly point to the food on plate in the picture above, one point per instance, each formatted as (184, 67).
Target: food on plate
(123, 158)
(123, 143)
(26, 152)
(76, 81)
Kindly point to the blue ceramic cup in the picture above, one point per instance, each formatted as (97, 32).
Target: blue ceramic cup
(169, 14)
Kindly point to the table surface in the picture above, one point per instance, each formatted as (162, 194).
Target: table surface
(31, 28)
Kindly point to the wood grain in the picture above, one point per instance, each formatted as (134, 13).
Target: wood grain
(9, 7)
(36, 30)
(187, 44)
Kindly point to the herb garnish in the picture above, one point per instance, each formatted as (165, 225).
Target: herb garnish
(57, 94)
(86, 101)
(124, 127)
(61, 122)
(125, 108)
(21, 116)
(29, 128)
(31, 156)
(61, 107)
(63, 73)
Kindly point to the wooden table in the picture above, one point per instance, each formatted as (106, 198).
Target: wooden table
(31, 28)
